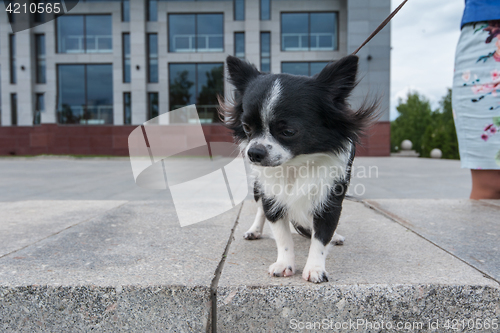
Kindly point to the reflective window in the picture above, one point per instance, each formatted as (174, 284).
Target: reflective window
(309, 31)
(239, 10)
(239, 45)
(85, 94)
(153, 110)
(40, 107)
(302, 68)
(316, 67)
(13, 109)
(40, 58)
(84, 34)
(152, 10)
(197, 84)
(126, 58)
(98, 33)
(196, 33)
(265, 9)
(127, 108)
(12, 55)
(265, 51)
(125, 10)
(152, 58)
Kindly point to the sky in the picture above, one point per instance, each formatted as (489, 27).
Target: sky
(424, 35)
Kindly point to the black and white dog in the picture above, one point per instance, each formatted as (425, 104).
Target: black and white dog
(298, 134)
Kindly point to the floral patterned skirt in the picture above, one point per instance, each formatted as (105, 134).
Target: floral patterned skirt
(476, 95)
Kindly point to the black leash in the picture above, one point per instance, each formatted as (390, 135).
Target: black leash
(381, 26)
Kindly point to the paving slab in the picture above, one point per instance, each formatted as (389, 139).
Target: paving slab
(409, 178)
(469, 229)
(132, 268)
(67, 178)
(383, 273)
(27, 222)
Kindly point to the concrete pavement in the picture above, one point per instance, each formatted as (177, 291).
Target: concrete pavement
(66, 178)
(82, 248)
(129, 266)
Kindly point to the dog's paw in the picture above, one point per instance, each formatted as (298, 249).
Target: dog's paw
(315, 274)
(280, 269)
(251, 235)
(337, 239)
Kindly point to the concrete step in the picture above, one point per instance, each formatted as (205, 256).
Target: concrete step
(129, 266)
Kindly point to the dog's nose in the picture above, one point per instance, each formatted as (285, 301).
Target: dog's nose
(257, 153)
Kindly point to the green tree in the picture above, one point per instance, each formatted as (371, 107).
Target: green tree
(442, 133)
(425, 128)
(415, 115)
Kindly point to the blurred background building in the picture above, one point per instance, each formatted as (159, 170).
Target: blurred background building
(79, 83)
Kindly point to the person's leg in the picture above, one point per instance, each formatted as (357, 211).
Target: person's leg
(485, 184)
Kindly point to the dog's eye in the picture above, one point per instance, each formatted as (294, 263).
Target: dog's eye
(247, 129)
(288, 132)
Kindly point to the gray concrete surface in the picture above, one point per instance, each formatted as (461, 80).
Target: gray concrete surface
(409, 178)
(131, 267)
(62, 178)
(24, 223)
(128, 266)
(383, 272)
(470, 229)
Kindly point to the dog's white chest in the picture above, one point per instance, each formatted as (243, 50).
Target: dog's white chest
(302, 185)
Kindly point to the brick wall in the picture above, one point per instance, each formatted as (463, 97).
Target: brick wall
(113, 140)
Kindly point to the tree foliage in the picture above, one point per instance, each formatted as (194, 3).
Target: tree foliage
(425, 128)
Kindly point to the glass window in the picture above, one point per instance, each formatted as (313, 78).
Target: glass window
(126, 58)
(98, 33)
(125, 10)
(316, 67)
(196, 33)
(40, 58)
(152, 58)
(152, 10)
(85, 94)
(127, 108)
(239, 45)
(303, 68)
(265, 51)
(70, 36)
(153, 110)
(265, 9)
(295, 32)
(323, 31)
(296, 68)
(40, 107)
(84, 34)
(13, 69)
(13, 109)
(239, 10)
(198, 84)
(309, 31)
(182, 85)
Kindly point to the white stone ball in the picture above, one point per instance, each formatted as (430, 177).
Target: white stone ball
(436, 153)
(406, 145)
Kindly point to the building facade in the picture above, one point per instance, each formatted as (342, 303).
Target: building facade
(120, 63)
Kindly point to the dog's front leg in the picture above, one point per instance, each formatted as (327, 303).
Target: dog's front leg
(285, 264)
(255, 231)
(324, 225)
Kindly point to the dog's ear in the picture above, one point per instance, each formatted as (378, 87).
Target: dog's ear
(340, 77)
(240, 72)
